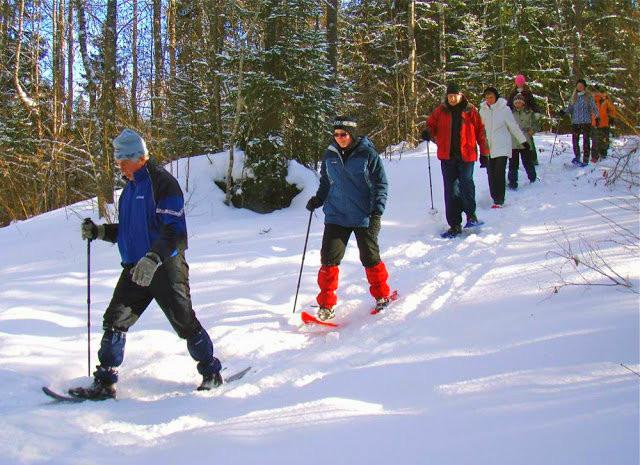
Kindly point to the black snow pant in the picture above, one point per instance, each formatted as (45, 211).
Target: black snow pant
(600, 145)
(459, 190)
(170, 289)
(585, 130)
(496, 172)
(514, 166)
(336, 237)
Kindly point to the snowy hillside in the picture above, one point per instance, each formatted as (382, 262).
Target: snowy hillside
(477, 363)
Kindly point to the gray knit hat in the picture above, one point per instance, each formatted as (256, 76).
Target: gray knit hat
(129, 145)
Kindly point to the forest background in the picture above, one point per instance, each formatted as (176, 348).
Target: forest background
(267, 77)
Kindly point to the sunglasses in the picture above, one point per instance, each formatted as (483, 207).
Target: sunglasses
(340, 135)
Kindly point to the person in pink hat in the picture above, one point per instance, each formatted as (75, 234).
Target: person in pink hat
(523, 89)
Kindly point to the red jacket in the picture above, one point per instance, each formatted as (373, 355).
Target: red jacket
(471, 132)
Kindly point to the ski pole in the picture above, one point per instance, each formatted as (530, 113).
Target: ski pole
(555, 139)
(433, 210)
(304, 252)
(88, 220)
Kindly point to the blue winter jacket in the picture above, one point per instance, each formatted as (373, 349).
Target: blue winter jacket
(150, 216)
(354, 190)
(582, 108)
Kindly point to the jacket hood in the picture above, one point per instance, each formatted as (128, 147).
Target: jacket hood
(500, 103)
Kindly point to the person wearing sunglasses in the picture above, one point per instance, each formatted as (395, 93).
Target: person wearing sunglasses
(151, 234)
(353, 194)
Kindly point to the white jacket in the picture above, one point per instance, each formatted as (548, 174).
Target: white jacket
(499, 125)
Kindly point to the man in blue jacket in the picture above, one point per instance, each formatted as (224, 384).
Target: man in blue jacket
(152, 237)
(353, 190)
(582, 109)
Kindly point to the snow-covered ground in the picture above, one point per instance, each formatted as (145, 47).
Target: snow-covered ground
(478, 362)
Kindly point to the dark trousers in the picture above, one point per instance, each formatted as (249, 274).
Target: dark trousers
(459, 190)
(514, 166)
(170, 289)
(585, 130)
(496, 172)
(336, 237)
(600, 144)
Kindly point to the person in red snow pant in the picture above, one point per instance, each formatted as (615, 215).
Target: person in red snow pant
(353, 194)
(334, 244)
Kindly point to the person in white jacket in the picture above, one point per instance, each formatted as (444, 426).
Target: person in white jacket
(499, 125)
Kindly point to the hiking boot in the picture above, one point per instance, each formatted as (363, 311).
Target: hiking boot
(99, 390)
(452, 232)
(473, 222)
(211, 381)
(325, 314)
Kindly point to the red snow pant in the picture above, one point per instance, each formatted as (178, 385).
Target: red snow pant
(334, 244)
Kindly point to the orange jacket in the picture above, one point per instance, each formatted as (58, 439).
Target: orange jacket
(606, 110)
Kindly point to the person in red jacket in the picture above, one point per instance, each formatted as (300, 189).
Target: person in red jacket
(457, 129)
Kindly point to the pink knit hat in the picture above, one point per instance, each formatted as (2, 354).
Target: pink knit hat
(520, 80)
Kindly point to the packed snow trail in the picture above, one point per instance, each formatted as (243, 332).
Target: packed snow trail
(477, 362)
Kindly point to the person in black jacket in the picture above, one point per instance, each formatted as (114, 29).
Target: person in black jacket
(152, 239)
(353, 190)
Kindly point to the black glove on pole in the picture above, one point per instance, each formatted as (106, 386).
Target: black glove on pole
(304, 252)
(88, 221)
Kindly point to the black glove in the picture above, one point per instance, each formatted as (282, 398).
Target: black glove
(526, 145)
(426, 135)
(313, 203)
(483, 161)
(91, 231)
(562, 113)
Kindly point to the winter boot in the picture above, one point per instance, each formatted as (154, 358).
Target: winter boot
(452, 232)
(103, 387)
(473, 222)
(325, 314)
(211, 381)
(381, 304)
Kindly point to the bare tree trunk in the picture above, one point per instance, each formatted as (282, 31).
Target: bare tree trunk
(577, 7)
(84, 52)
(216, 45)
(108, 106)
(133, 100)
(27, 102)
(157, 61)
(171, 30)
(413, 98)
(70, 58)
(333, 6)
(443, 41)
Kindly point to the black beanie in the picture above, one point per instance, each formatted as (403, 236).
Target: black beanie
(346, 123)
(453, 88)
(492, 90)
(584, 83)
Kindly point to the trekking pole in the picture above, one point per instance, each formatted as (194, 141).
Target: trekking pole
(88, 220)
(433, 210)
(555, 139)
(304, 252)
